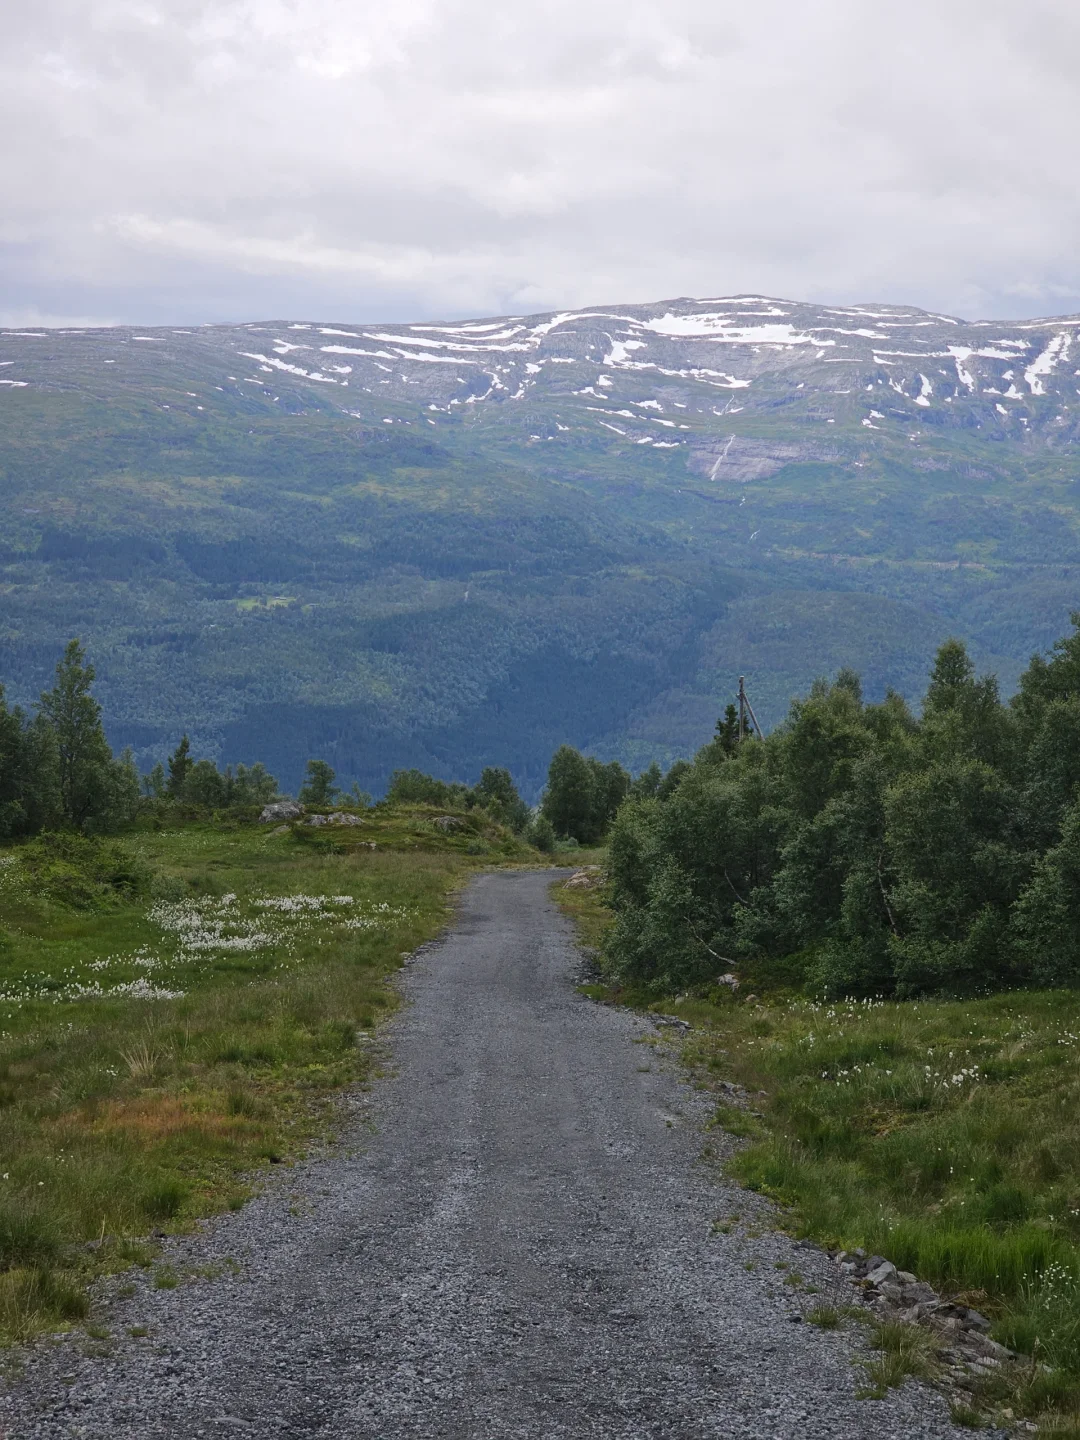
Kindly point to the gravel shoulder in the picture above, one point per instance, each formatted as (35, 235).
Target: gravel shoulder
(516, 1238)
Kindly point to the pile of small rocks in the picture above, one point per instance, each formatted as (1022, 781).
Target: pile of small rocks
(587, 878)
(897, 1295)
(289, 810)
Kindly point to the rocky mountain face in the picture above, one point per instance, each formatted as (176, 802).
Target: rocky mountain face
(412, 540)
(698, 375)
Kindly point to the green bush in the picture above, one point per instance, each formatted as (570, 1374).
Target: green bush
(82, 872)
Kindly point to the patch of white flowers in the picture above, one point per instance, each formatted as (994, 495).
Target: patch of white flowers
(199, 929)
(218, 926)
(210, 926)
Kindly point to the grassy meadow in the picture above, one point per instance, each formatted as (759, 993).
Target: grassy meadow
(176, 1010)
(944, 1135)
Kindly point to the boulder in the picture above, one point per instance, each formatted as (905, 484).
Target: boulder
(281, 810)
(447, 823)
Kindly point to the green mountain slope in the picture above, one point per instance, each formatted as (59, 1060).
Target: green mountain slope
(452, 545)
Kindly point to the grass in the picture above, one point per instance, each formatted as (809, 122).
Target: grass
(900, 1351)
(165, 1036)
(944, 1135)
(966, 1416)
(585, 907)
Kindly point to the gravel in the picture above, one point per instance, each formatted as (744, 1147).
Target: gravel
(516, 1237)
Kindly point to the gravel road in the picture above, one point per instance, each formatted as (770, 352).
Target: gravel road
(517, 1240)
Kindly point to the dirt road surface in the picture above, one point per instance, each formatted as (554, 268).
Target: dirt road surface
(517, 1239)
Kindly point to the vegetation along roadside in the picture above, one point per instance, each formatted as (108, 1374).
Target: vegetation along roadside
(176, 1011)
(869, 921)
(187, 977)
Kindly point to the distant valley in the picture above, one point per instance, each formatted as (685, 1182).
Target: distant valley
(452, 544)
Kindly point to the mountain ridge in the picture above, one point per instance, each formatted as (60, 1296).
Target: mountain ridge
(670, 494)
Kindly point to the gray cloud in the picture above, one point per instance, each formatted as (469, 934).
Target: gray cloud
(182, 160)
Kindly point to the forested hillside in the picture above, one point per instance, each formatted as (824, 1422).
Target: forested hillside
(423, 546)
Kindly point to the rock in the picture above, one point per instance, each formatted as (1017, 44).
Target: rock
(878, 1270)
(730, 980)
(974, 1321)
(281, 810)
(317, 820)
(447, 823)
(280, 830)
(919, 1293)
(988, 1349)
(906, 1278)
(580, 881)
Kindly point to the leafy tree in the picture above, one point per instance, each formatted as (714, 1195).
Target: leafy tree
(497, 793)
(957, 870)
(568, 799)
(673, 779)
(250, 785)
(123, 789)
(1058, 678)
(611, 785)
(180, 763)
(541, 834)
(154, 783)
(413, 787)
(583, 795)
(205, 786)
(964, 715)
(647, 783)
(319, 788)
(726, 739)
(1045, 920)
(87, 785)
(29, 797)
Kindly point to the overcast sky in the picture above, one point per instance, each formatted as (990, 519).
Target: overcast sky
(175, 160)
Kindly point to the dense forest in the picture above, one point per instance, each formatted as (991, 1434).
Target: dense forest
(858, 849)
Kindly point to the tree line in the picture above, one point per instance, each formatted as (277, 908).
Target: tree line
(58, 772)
(860, 849)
